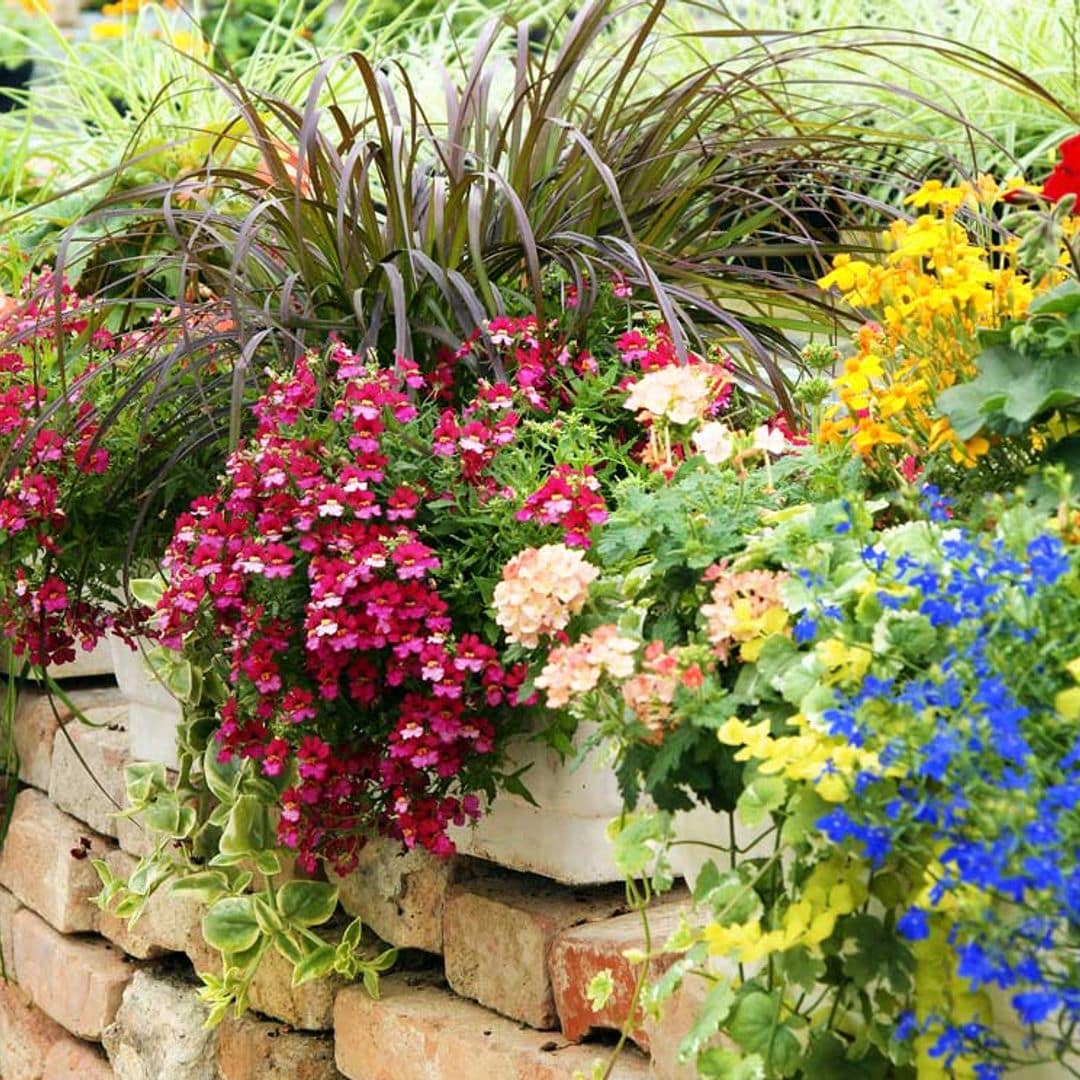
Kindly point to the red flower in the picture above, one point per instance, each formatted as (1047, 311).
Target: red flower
(1065, 177)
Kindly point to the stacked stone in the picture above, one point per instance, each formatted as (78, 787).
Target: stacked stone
(87, 996)
(492, 984)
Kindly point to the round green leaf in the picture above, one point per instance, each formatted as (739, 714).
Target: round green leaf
(230, 926)
(306, 903)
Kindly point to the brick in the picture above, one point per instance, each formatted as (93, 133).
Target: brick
(92, 789)
(166, 925)
(251, 1049)
(36, 863)
(667, 1031)
(584, 951)
(158, 1032)
(9, 904)
(309, 1007)
(73, 1059)
(36, 725)
(133, 836)
(26, 1035)
(78, 982)
(399, 894)
(421, 1031)
(497, 934)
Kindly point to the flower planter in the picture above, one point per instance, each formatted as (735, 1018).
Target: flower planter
(153, 713)
(565, 836)
(97, 662)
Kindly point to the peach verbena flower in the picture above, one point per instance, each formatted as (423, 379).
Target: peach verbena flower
(573, 670)
(541, 589)
(681, 395)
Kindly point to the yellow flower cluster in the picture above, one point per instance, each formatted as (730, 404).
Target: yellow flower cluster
(825, 761)
(744, 609)
(936, 288)
(541, 589)
(835, 887)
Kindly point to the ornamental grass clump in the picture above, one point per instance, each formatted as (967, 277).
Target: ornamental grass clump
(63, 548)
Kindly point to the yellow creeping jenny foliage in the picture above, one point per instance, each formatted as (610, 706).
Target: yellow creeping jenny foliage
(835, 887)
(825, 761)
(936, 288)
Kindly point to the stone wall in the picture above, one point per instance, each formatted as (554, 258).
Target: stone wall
(491, 984)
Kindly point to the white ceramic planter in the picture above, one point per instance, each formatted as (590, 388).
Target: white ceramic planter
(96, 662)
(565, 836)
(153, 713)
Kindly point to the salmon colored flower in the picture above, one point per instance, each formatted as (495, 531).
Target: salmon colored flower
(541, 589)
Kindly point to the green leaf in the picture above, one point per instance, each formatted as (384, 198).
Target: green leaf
(828, 1060)
(315, 965)
(756, 1027)
(713, 1012)
(636, 840)
(288, 948)
(268, 863)
(142, 779)
(762, 795)
(800, 967)
(384, 961)
(371, 983)
(163, 814)
(208, 885)
(307, 903)
(222, 777)
(353, 933)
(230, 925)
(248, 829)
(1063, 299)
(872, 953)
(719, 1064)
(732, 899)
(147, 591)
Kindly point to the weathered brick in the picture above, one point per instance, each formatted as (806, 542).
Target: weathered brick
(37, 864)
(167, 923)
(26, 1035)
(667, 1031)
(133, 837)
(419, 1031)
(37, 721)
(9, 904)
(584, 951)
(399, 894)
(91, 789)
(251, 1049)
(158, 1032)
(77, 981)
(497, 934)
(73, 1059)
(309, 1007)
